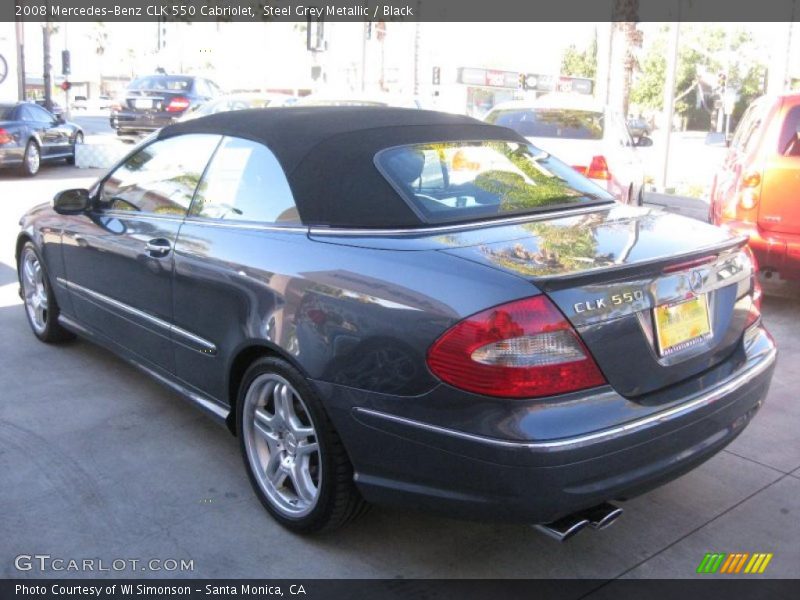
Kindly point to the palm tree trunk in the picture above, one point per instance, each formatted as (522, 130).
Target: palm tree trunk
(625, 37)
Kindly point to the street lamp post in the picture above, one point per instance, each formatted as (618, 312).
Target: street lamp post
(669, 99)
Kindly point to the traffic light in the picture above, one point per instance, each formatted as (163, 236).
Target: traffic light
(65, 63)
(66, 85)
(437, 75)
(722, 79)
(523, 83)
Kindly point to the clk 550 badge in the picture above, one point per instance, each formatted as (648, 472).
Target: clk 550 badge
(613, 300)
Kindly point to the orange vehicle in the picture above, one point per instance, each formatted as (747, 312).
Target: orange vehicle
(756, 191)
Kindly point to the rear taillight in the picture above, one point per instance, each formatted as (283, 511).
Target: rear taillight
(177, 104)
(523, 349)
(5, 137)
(598, 169)
(757, 292)
(748, 196)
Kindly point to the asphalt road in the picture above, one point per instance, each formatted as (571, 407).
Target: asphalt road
(99, 462)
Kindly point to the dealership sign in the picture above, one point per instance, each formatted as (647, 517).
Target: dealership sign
(488, 77)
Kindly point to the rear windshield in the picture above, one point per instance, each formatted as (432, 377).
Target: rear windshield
(162, 83)
(462, 181)
(6, 113)
(551, 123)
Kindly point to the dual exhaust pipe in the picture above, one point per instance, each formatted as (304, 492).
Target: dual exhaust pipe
(597, 517)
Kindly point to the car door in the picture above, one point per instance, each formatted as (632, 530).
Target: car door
(779, 207)
(54, 136)
(228, 286)
(35, 125)
(119, 257)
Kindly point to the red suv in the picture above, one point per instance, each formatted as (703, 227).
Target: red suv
(756, 192)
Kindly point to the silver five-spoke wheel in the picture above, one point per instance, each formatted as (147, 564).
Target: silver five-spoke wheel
(282, 445)
(34, 290)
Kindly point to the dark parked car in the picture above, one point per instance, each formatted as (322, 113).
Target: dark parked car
(55, 108)
(155, 101)
(638, 128)
(408, 307)
(29, 135)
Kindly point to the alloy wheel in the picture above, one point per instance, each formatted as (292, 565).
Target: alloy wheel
(32, 158)
(282, 445)
(34, 290)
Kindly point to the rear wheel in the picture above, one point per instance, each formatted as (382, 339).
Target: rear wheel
(40, 302)
(31, 160)
(293, 455)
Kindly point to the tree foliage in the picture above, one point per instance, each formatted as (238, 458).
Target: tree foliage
(704, 52)
(580, 63)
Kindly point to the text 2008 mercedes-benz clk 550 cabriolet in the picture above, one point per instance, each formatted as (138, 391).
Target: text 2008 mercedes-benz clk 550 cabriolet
(407, 307)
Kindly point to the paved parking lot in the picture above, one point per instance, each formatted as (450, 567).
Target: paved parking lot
(98, 461)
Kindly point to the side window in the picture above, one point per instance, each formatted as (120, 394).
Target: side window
(790, 134)
(40, 114)
(28, 114)
(200, 88)
(245, 182)
(161, 178)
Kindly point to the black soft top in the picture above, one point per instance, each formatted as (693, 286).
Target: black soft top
(328, 152)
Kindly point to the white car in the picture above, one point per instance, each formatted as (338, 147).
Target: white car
(592, 138)
(241, 101)
(359, 99)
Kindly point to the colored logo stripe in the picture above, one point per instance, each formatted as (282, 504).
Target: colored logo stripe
(721, 562)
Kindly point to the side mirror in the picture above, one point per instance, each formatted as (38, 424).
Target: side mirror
(644, 142)
(59, 119)
(72, 202)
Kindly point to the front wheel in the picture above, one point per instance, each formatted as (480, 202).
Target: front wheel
(40, 302)
(293, 455)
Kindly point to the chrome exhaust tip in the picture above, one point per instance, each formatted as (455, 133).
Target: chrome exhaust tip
(564, 528)
(598, 517)
(602, 515)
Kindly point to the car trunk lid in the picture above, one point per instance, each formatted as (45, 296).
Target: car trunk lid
(656, 298)
(150, 101)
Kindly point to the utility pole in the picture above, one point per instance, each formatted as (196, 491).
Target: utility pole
(417, 36)
(669, 98)
(47, 74)
(20, 41)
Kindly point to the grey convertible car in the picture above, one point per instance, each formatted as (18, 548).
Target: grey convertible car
(407, 307)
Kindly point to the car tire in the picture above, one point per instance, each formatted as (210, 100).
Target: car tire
(294, 458)
(41, 307)
(31, 159)
(76, 142)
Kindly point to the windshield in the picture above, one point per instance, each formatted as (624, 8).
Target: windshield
(457, 181)
(6, 113)
(551, 123)
(161, 83)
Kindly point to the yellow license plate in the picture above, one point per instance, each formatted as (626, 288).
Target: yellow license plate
(682, 324)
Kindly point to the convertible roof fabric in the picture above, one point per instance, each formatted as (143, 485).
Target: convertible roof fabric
(328, 154)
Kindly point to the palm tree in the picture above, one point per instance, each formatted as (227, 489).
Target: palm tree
(625, 38)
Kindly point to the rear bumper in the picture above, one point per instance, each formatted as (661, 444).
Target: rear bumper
(132, 121)
(11, 155)
(400, 460)
(775, 251)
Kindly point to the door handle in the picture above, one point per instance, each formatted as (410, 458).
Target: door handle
(158, 247)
